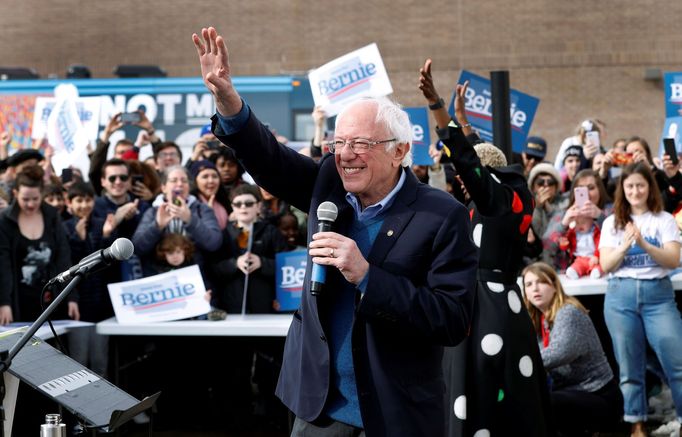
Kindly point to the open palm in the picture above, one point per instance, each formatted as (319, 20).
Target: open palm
(215, 70)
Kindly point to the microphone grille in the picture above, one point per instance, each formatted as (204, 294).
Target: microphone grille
(327, 211)
(122, 249)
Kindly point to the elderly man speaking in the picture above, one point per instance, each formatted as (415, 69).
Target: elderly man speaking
(363, 356)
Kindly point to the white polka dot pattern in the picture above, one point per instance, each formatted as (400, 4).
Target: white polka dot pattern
(460, 407)
(491, 344)
(478, 231)
(526, 366)
(482, 433)
(495, 286)
(514, 301)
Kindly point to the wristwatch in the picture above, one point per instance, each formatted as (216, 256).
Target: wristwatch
(439, 104)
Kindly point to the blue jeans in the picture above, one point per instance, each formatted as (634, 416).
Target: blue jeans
(637, 311)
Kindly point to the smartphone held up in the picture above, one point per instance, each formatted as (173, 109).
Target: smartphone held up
(581, 196)
(621, 159)
(130, 117)
(671, 150)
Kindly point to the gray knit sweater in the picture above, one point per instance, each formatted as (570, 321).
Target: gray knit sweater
(575, 358)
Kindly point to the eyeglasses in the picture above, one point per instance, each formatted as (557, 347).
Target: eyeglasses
(357, 146)
(545, 182)
(122, 177)
(248, 204)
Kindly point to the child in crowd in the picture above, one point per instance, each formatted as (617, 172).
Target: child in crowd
(288, 226)
(174, 251)
(55, 196)
(87, 234)
(581, 240)
(244, 254)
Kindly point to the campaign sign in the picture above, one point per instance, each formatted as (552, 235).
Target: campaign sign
(673, 94)
(671, 129)
(357, 74)
(88, 109)
(290, 271)
(478, 105)
(174, 295)
(421, 138)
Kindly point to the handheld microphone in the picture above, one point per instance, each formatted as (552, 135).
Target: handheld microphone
(121, 249)
(326, 215)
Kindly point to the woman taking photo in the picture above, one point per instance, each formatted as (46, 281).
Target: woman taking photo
(596, 207)
(584, 392)
(639, 246)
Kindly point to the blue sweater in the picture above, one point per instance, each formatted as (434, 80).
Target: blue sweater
(343, 405)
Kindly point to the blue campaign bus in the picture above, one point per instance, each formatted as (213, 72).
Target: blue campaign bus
(178, 107)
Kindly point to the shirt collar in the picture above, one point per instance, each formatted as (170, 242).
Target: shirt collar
(379, 207)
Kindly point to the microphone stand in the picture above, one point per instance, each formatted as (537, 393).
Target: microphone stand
(7, 357)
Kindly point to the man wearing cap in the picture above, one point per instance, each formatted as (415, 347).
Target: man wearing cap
(15, 163)
(533, 153)
(544, 181)
(573, 163)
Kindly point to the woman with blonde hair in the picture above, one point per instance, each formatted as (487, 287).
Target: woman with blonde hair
(583, 390)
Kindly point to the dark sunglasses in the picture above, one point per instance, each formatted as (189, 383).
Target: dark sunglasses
(545, 182)
(248, 204)
(122, 177)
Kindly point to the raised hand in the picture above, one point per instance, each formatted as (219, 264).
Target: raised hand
(426, 83)
(163, 216)
(180, 210)
(669, 168)
(215, 70)
(114, 124)
(460, 110)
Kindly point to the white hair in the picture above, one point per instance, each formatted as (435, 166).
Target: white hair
(390, 115)
(168, 170)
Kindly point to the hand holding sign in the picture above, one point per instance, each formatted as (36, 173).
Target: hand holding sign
(215, 70)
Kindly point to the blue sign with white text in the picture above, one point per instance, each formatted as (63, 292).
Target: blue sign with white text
(421, 137)
(478, 104)
(673, 94)
(289, 275)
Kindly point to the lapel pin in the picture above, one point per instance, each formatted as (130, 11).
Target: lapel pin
(390, 233)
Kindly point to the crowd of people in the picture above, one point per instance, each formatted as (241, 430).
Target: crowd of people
(527, 357)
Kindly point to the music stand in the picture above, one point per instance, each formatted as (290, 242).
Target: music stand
(93, 400)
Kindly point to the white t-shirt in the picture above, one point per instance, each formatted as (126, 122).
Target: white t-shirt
(657, 229)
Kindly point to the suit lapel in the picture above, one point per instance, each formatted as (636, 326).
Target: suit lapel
(397, 218)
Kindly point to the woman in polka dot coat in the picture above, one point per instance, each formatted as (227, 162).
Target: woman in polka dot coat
(496, 382)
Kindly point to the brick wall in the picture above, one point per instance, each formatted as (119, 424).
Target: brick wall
(581, 58)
